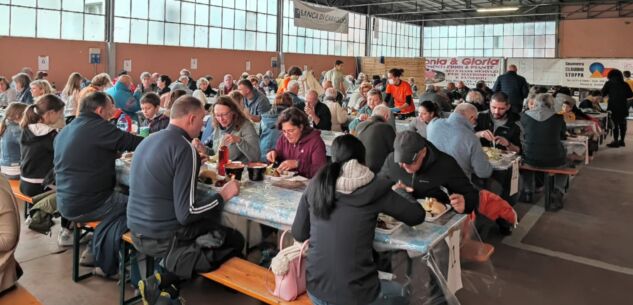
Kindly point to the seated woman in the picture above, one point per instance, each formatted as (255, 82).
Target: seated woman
(23, 94)
(10, 133)
(427, 113)
(358, 99)
(270, 133)
(10, 270)
(233, 129)
(543, 131)
(150, 106)
(200, 93)
(340, 267)
(337, 112)
(301, 148)
(37, 142)
(592, 102)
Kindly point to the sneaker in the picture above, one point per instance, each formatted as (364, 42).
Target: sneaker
(65, 238)
(621, 143)
(28, 221)
(150, 291)
(87, 259)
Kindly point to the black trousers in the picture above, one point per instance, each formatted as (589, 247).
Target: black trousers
(619, 128)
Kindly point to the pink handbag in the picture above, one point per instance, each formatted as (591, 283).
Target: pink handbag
(292, 284)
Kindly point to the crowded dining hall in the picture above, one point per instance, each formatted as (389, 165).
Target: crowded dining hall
(355, 152)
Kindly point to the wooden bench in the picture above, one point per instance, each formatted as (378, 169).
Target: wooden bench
(549, 181)
(250, 279)
(125, 250)
(15, 188)
(77, 235)
(239, 274)
(18, 296)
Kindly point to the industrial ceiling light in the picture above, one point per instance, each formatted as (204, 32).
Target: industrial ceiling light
(498, 9)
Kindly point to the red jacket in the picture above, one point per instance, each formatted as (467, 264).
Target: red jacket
(309, 150)
(494, 207)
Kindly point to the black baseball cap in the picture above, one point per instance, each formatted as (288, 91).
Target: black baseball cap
(407, 146)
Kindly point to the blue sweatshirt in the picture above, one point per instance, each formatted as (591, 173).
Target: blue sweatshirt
(163, 186)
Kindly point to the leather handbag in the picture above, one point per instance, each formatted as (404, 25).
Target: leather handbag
(290, 282)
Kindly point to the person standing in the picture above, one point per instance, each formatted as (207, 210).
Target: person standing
(619, 94)
(335, 75)
(399, 93)
(515, 86)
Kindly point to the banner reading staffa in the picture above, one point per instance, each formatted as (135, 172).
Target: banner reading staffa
(320, 18)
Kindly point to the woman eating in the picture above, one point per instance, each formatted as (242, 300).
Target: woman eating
(232, 129)
(346, 194)
(301, 148)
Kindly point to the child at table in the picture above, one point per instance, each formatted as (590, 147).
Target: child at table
(10, 132)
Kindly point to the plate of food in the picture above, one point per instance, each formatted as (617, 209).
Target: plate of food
(387, 224)
(278, 175)
(434, 209)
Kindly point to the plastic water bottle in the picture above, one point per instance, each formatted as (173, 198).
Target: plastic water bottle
(122, 123)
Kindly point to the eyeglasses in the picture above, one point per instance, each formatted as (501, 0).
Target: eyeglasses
(222, 115)
(289, 131)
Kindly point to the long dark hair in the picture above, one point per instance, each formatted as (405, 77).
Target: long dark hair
(322, 197)
(615, 76)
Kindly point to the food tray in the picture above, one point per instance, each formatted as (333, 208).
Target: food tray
(435, 217)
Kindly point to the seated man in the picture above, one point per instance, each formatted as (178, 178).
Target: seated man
(499, 124)
(293, 90)
(227, 85)
(374, 98)
(123, 97)
(337, 112)
(543, 131)
(377, 135)
(167, 216)
(424, 171)
(455, 137)
(317, 112)
(84, 155)
(441, 101)
(255, 102)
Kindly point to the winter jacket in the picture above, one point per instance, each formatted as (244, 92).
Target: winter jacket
(247, 150)
(309, 151)
(455, 137)
(442, 103)
(378, 137)
(10, 150)
(9, 236)
(25, 96)
(270, 133)
(125, 100)
(618, 94)
(494, 207)
(158, 123)
(338, 115)
(297, 101)
(438, 169)
(511, 130)
(543, 131)
(340, 265)
(85, 152)
(163, 179)
(106, 242)
(36, 150)
(515, 86)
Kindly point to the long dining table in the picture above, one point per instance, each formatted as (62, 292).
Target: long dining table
(265, 203)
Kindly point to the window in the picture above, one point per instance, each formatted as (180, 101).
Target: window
(229, 24)
(310, 41)
(530, 39)
(403, 40)
(55, 19)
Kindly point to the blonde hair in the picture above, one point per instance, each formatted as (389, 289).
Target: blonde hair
(44, 85)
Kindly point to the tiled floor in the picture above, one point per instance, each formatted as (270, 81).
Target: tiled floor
(580, 255)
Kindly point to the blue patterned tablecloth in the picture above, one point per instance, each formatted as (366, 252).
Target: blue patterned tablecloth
(274, 206)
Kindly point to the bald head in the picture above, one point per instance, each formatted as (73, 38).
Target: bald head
(467, 110)
(512, 68)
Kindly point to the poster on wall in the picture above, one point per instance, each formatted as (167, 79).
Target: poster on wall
(586, 73)
(320, 18)
(442, 70)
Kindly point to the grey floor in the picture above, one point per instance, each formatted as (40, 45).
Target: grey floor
(582, 254)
